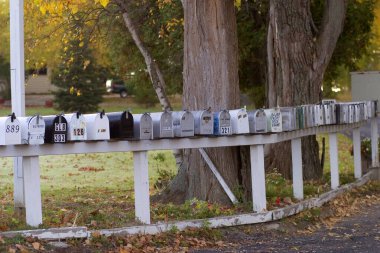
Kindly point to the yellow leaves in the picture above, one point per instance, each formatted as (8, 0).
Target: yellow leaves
(43, 9)
(74, 9)
(86, 63)
(104, 3)
(81, 44)
(75, 91)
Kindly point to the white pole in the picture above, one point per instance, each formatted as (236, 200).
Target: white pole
(17, 88)
(334, 167)
(297, 168)
(259, 199)
(357, 153)
(142, 200)
(32, 186)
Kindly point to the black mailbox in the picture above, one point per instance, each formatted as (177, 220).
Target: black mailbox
(55, 129)
(121, 124)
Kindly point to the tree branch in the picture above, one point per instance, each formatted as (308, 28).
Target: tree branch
(332, 26)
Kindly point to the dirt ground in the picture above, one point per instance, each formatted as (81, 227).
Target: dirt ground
(357, 233)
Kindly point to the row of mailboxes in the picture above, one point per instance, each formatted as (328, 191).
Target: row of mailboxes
(124, 125)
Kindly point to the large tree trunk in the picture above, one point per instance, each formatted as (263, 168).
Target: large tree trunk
(210, 80)
(298, 56)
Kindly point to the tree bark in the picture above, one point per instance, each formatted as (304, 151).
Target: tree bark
(210, 80)
(297, 60)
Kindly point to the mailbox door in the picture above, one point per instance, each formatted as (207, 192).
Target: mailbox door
(36, 130)
(10, 131)
(55, 129)
(77, 127)
(120, 125)
(146, 127)
(97, 127)
(186, 126)
(166, 125)
(275, 120)
(224, 123)
(257, 121)
(300, 117)
(242, 122)
(206, 123)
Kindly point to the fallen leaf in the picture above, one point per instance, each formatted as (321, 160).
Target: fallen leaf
(36, 245)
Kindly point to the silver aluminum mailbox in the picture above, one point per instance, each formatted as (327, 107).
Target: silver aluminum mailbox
(32, 130)
(289, 118)
(258, 121)
(274, 119)
(183, 124)
(162, 124)
(222, 123)
(97, 126)
(10, 130)
(77, 127)
(351, 111)
(203, 122)
(143, 126)
(308, 112)
(318, 115)
(342, 114)
(239, 121)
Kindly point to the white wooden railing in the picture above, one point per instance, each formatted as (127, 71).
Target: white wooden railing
(140, 148)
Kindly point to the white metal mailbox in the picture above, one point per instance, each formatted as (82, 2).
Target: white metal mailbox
(10, 130)
(329, 106)
(77, 127)
(289, 118)
(32, 130)
(318, 115)
(257, 121)
(274, 119)
(162, 124)
(222, 123)
(142, 126)
(97, 126)
(327, 114)
(239, 121)
(203, 122)
(183, 124)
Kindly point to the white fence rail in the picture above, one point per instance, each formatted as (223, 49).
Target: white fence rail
(140, 149)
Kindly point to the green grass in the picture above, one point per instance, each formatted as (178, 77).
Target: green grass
(345, 159)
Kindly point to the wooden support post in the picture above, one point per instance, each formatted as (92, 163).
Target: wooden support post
(297, 168)
(259, 200)
(142, 202)
(33, 206)
(334, 167)
(374, 142)
(218, 176)
(357, 153)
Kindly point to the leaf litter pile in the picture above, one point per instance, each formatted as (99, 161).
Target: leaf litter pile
(306, 222)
